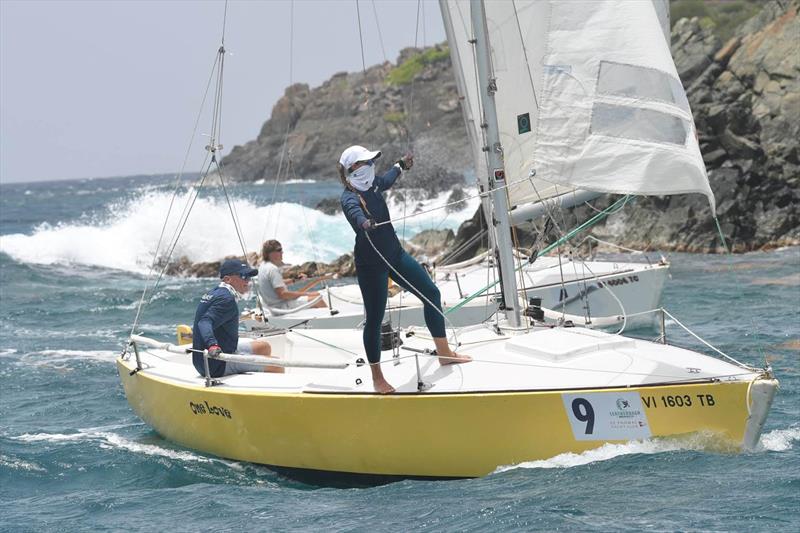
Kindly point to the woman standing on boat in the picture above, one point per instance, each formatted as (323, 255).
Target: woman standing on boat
(379, 255)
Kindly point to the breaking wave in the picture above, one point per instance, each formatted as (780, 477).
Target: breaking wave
(125, 236)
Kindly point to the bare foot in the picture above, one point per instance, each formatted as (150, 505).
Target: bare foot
(379, 382)
(454, 359)
(382, 386)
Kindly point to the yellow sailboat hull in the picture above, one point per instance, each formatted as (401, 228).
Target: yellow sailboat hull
(438, 435)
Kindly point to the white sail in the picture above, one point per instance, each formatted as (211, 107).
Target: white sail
(662, 12)
(589, 98)
(458, 28)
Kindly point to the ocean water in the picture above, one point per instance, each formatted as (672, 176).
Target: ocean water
(73, 456)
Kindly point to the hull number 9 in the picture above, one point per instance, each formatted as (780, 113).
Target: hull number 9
(606, 416)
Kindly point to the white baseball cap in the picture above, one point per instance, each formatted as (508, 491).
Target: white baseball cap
(356, 153)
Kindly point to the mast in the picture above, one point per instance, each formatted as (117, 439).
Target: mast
(472, 121)
(497, 176)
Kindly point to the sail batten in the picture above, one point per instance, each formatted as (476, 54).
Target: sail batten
(589, 98)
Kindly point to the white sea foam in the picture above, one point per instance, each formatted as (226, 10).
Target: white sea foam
(609, 451)
(298, 182)
(49, 357)
(109, 440)
(43, 333)
(780, 440)
(18, 464)
(777, 440)
(127, 237)
(7, 351)
(120, 307)
(112, 441)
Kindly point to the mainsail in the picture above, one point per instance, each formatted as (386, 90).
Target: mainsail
(458, 28)
(588, 98)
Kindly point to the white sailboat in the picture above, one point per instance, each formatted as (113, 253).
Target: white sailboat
(594, 293)
(534, 389)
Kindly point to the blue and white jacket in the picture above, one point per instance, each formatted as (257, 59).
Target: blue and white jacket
(216, 321)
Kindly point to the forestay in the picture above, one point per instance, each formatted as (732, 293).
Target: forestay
(589, 98)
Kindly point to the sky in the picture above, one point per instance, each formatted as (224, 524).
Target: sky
(113, 88)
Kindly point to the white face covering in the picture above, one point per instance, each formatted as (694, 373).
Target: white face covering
(231, 290)
(362, 177)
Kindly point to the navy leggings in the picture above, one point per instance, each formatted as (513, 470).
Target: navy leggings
(373, 280)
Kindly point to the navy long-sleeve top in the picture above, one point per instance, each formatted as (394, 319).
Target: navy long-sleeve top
(216, 322)
(383, 237)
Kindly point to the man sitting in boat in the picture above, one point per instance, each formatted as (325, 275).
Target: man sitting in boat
(216, 324)
(272, 287)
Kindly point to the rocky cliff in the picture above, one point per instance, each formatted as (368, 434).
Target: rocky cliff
(744, 94)
(412, 106)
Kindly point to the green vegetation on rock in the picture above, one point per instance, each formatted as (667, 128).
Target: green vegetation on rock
(403, 73)
(722, 16)
(395, 117)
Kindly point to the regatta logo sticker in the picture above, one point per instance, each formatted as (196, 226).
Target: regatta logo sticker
(204, 408)
(606, 416)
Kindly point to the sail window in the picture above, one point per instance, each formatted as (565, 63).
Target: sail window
(638, 124)
(630, 81)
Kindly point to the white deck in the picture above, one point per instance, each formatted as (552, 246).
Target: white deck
(544, 359)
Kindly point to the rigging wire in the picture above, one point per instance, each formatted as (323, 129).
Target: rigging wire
(285, 144)
(211, 148)
(408, 148)
(380, 33)
(525, 53)
(408, 117)
(424, 37)
(232, 208)
(455, 202)
(309, 232)
(613, 208)
(224, 22)
(286, 167)
(291, 43)
(181, 225)
(176, 188)
(361, 40)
